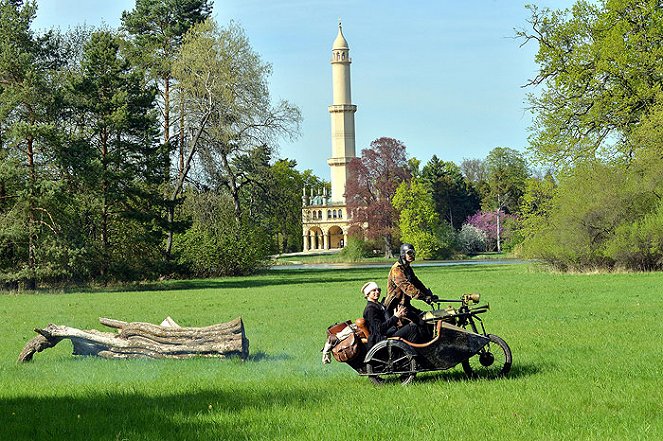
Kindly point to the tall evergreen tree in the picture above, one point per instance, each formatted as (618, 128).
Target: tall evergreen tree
(28, 98)
(454, 198)
(118, 125)
(157, 29)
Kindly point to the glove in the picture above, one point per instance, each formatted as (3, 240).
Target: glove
(431, 298)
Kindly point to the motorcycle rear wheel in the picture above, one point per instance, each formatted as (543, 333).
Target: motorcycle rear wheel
(492, 361)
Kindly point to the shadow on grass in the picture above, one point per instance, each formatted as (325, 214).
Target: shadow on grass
(207, 414)
(264, 279)
(263, 356)
(455, 375)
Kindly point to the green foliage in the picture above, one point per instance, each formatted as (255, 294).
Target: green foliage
(599, 65)
(455, 199)
(216, 244)
(158, 28)
(356, 249)
(507, 172)
(419, 223)
(639, 245)
(585, 213)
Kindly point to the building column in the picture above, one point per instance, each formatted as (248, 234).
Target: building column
(325, 240)
(345, 239)
(305, 241)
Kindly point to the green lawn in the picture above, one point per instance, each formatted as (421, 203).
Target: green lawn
(587, 363)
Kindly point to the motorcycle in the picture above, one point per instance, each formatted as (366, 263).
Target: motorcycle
(458, 336)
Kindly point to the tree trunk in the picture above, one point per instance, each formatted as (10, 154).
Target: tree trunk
(179, 186)
(233, 188)
(499, 247)
(145, 340)
(31, 282)
(388, 253)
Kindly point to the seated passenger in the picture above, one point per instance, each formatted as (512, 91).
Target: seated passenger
(379, 324)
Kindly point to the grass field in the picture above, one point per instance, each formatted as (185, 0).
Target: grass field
(587, 363)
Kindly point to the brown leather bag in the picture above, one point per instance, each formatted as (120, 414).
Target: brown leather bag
(346, 349)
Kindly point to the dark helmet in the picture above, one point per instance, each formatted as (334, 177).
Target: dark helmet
(407, 248)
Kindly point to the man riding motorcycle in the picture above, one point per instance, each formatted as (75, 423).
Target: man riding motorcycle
(403, 285)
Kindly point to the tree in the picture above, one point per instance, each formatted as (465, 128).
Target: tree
(599, 67)
(158, 28)
(487, 222)
(372, 184)
(507, 171)
(215, 244)
(598, 117)
(234, 124)
(285, 197)
(118, 126)
(27, 136)
(455, 200)
(536, 203)
(419, 222)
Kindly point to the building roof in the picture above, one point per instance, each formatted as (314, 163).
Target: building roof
(340, 42)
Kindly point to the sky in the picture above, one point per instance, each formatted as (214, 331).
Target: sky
(443, 76)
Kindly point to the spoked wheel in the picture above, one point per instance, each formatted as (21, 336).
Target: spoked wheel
(492, 361)
(391, 361)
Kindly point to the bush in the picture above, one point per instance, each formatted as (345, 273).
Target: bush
(215, 244)
(639, 245)
(356, 249)
(472, 239)
(234, 251)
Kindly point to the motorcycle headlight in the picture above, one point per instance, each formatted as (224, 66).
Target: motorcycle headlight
(474, 297)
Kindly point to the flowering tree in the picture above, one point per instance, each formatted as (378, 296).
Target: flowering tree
(372, 183)
(496, 225)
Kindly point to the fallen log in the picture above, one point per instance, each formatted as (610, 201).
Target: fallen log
(145, 340)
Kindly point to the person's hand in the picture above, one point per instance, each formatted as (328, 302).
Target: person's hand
(326, 358)
(400, 311)
(431, 298)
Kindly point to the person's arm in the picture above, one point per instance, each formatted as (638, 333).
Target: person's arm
(401, 281)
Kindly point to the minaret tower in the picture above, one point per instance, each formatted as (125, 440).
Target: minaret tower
(326, 221)
(342, 113)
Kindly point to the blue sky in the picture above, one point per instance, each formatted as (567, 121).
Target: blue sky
(443, 76)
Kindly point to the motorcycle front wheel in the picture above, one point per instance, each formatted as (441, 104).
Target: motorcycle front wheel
(492, 361)
(391, 361)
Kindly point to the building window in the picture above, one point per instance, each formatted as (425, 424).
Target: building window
(329, 215)
(319, 214)
(340, 214)
(314, 214)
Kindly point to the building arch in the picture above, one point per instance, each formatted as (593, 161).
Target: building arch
(316, 238)
(336, 237)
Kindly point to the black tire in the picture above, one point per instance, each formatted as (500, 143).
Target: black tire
(391, 361)
(492, 361)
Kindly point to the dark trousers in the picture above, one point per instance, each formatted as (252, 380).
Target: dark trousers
(409, 332)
